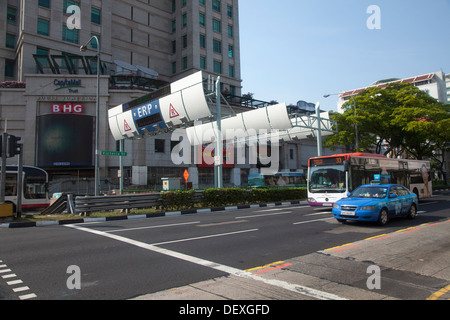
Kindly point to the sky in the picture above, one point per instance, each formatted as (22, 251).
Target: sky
(295, 50)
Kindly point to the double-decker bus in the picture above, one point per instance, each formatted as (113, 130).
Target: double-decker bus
(34, 191)
(330, 178)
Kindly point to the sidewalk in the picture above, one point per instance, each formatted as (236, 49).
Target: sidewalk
(414, 265)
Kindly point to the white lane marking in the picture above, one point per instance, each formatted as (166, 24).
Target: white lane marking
(27, 296)
(5, 270)
(268, 210)
(205, 237)
(264, 215)
(15, 282)
(216, 266)
(309, 221)
(317, 214)
(154, 227)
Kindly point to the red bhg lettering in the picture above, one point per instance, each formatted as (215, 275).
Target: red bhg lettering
(67, 108)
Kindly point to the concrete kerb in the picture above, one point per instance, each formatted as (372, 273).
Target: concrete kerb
(29, 224)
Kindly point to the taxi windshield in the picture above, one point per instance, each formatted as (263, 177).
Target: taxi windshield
(369, 192)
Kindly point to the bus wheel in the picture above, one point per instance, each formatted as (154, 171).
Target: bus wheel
(383, 218)
(412, 212)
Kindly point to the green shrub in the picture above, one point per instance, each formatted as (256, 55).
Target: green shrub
(177, 200)
(184, 200)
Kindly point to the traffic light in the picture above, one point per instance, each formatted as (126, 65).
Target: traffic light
(13, 146)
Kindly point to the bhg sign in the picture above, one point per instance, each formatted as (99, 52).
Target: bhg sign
(75, 108)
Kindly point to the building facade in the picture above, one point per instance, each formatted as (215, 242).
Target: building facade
(433, 83)
(48, 88)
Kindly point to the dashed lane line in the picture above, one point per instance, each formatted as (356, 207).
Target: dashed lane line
(7, 274)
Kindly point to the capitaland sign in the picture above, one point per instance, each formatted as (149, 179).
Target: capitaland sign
(68, 84)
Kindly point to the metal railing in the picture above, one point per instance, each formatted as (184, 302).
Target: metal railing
(84, 205)
(126, 202)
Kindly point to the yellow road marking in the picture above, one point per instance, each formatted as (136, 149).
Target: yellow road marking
(262, 267)
(439, 293)
(345, 245)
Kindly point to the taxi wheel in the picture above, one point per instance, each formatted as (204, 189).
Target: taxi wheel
(383, 218)
(412, 212)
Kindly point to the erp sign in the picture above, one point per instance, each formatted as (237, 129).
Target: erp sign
(148, 116)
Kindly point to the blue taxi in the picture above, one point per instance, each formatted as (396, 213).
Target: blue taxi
(377, 203)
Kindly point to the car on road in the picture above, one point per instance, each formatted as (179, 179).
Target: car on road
(377, 203)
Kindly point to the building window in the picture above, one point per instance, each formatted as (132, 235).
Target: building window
(9, 68)
(202, 19)
(230, 31)
(217, 66)
(43, 27)
(159, 145)
(217, 26)
(174, 25)
(230, 51)
(174, 46)
(174, 67)
(94, 42)
(230, 12)
(185, 63)
(217, 46)
(185, 41)
(231, 71)
(203, 63)
(96, 15)
(10, 41)
(68, 3)
(202, 2)
(216, 5)
(70, 35)
(11, 15)
(184, 20)
(202, 41)
(44, 3)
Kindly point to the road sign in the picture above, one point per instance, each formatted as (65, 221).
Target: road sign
(186, 175)
(114, 153)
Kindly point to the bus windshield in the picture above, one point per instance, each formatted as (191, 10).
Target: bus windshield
(329, 179)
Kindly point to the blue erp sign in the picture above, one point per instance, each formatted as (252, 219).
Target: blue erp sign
(148, 116)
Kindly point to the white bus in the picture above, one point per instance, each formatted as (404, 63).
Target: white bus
(330, 178)
(34, 191)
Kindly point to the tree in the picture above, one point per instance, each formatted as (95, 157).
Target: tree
(399, 119)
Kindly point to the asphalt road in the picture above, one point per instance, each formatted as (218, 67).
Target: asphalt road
(278, 252)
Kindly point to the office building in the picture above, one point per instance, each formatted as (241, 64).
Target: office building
(432, 83)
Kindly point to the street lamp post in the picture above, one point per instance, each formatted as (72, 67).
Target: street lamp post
(356, 126)
(83, 48)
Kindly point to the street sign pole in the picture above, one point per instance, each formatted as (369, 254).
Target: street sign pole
(218, 154)
(19, 182)
(122, 143)
(3, 170)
